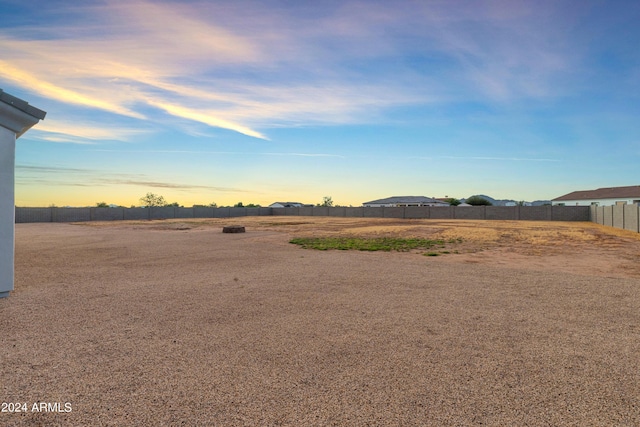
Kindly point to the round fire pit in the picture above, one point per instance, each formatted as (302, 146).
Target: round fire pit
(233, 229)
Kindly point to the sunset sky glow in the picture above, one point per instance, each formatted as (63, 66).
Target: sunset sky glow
(264, 101)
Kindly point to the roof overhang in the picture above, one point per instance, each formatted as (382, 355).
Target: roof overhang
(17, 115)
(627, 192)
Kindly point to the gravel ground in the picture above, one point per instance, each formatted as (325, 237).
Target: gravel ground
(139, 326)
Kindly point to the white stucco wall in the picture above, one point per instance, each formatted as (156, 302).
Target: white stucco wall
(7, 209)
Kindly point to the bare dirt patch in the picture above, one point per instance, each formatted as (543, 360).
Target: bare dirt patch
(175, 323)
(576, 247)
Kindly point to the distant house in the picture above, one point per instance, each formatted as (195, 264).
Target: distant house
(601, 197)
(396, 201)
(286, 205)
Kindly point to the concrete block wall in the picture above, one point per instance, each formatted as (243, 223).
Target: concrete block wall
(184, 212)
(416, 212)
(618, 216)
(70, 214)
(320, 211)
(602, 215)
(443, 212)
(569, 213)
(203, 212)
(393, 212)
(33, 215)
(136, 213)
(626, 217)
(373, 212)
(234, 212)
(608, 216)
(631, 218)
(222, 212)
(354, 212)
(502, 212)
(338, 211)
(292, 211)
(162, 212)
(535, 213)
(107, 214)
(468, 212)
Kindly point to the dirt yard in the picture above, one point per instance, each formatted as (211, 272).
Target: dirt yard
(175, 323)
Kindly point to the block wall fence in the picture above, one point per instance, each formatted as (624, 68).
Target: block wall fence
(529, 213)
(626, 217)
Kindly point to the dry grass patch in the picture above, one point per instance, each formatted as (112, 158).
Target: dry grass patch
(528, 237)
(534, 233)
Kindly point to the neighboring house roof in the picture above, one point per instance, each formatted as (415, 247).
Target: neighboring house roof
(404, 200)
(630, 192)
(286, 204)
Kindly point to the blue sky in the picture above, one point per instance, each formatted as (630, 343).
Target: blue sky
(263, 101)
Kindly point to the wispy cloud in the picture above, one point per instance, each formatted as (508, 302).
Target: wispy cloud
(125, 59)
(73, 177)
(249, 66)
(205, 117)
(242, 153)
(50, 169)
(222, 67)
(305, 155)
(170, 185)
(498, 48)
(511, 159)
(59, 93)
(83, 133)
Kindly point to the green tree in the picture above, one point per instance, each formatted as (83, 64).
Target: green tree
(478, 201)
(174, 204)
(327, 201)
(238, 205)
(452, 201)
(152, 200)
(252, 205)
(102, 205)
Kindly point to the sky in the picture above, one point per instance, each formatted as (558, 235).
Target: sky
(294, 100)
